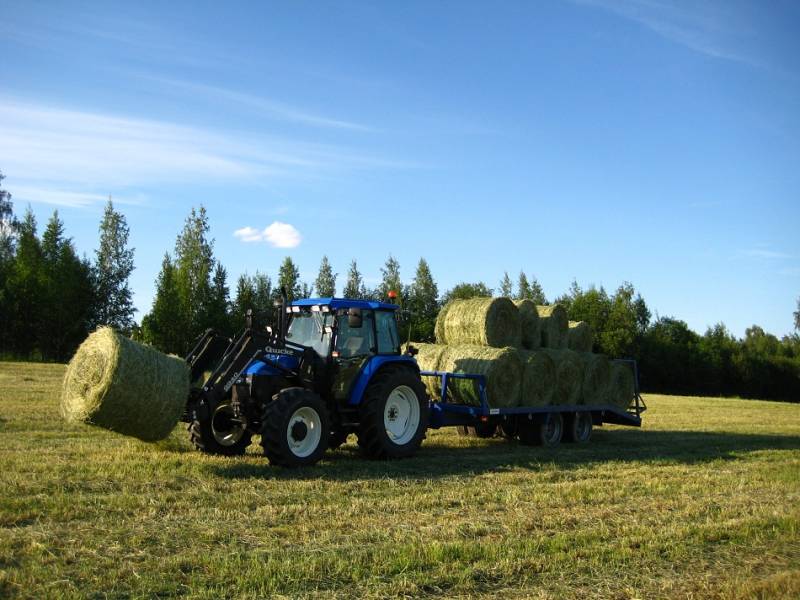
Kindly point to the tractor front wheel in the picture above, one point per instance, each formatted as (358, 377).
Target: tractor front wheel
(295, 428)
(222, 433)
(394, 414)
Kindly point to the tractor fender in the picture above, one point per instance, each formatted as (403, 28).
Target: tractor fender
(371, 368)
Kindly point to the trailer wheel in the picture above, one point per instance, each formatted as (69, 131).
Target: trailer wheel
(394, 414)
(547, 433)
(481, 430)
(295, 428)
(220, 434)
(578, 427)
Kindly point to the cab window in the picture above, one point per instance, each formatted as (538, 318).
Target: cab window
(359, 341)
(388, 338)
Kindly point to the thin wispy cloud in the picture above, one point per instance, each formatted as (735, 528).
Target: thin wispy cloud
(277, 234)
(70, 199)
(766, 253)
(713, 29)
(72, 158)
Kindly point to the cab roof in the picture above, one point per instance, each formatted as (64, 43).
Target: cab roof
(337, 303)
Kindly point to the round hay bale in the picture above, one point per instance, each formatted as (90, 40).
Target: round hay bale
(438, 330)
(569, 376)
(502, 367)
(428, 359)
(491, 322)
(579, 336)
(596, 378)
(622, 388)
(124, 386)
(529, 318)
(554, 326)
(538, 379)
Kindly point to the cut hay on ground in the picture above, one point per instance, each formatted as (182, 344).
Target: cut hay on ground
(491, 322)
(529, 319)
(124, 386)
(596, 378)
(569, 376)
(538, 379)
(622, 388)
(579, 336)
(502, 367)
(554, 326)
(428, 359)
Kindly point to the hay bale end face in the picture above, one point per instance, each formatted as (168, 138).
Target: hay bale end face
(529, 320)
(503, 368)
(569, 376)
(493, 322)
(596, 378)
(579, 336)
(127, 387)
(538, 379)
(622, 388)
(554, 326)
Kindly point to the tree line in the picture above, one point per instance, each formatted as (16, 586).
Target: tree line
(53, 298)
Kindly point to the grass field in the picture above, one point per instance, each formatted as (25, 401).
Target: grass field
(703, 501)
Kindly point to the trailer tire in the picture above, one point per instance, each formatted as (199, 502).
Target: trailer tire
(393, 414)
(481, 430)
(294, 426)
(578, 427)
(214, 435)
(547, 433)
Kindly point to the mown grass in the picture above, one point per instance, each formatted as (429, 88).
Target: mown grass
(702, 502)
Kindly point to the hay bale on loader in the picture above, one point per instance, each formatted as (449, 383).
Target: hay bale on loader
(579, 336)
(554, 326)
(568, 387)
(503, 368)
(622, 387)
(538, 379)
(596, 378)
(493, 322)
(529, 319)
(124, 386)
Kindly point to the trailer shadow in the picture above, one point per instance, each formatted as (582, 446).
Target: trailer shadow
(437, 460)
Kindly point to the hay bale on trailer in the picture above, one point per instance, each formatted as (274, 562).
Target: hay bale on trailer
(493, 322)
(124, 386)
(538, 379)
(569, 376)
(596, 378)
(554, 326)
(529, 320)
(622, 387)
(503, 368)
(579, 336)
(428, 359)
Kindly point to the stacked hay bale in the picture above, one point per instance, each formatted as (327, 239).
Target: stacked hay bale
(579, 336)
(621, 389)
(529, 321)
(554, 326)
(124, 386)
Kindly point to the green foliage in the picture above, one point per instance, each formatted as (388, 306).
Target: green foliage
(391, 282)
(113, 267)
(289, 278)
(325, 282)
(354, 287)
(423, 301)
(162, 326)
(465, 291)
(506, 287)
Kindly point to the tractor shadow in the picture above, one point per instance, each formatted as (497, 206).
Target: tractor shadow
(439, 459)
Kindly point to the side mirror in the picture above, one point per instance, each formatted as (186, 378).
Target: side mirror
(354, 318)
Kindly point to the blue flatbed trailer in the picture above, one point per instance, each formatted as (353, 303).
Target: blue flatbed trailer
(444, 413)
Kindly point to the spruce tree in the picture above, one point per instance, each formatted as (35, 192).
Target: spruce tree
(325, 283)
(506, 287)
(523, 287)
(354, 287)
(113, 267)
(6, 261)
(391, 281)
(244, 300)
(424, 303)
(218, 312)
(536, 292)
(194, 265)
(289, 278)
(25, 290)
(163, 325)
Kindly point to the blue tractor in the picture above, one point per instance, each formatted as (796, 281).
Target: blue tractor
(329, 367)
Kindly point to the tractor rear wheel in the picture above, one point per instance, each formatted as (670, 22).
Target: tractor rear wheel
(393, 415)
(221, 433)
(295, 428)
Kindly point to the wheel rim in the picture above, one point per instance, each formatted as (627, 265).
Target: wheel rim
(583, 426)
(401, 415)
(552, 429)
(226, 428)
(304, 431)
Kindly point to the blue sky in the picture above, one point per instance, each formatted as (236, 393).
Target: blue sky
(596, 140)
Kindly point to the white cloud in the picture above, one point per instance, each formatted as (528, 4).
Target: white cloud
(278, 235)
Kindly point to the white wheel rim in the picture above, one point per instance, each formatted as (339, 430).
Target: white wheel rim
(401, 415)
(304, 431)
(226, 436)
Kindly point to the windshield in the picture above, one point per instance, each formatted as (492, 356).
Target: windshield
(308, 328)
